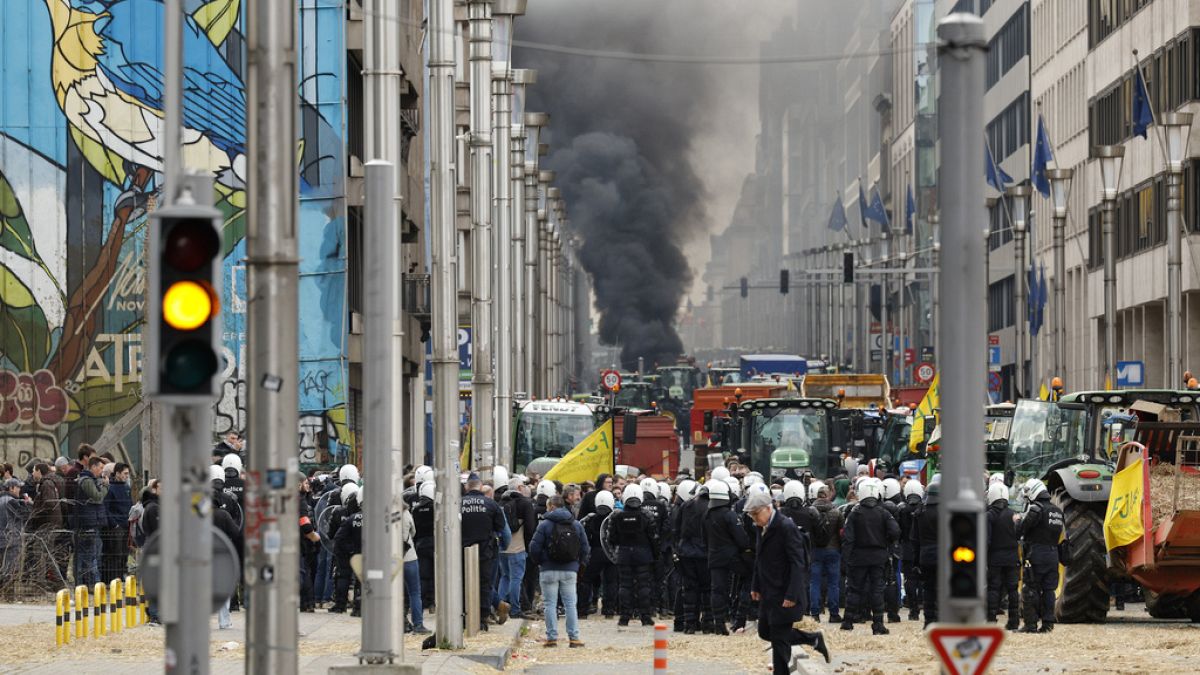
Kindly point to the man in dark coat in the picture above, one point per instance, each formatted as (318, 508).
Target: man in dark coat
(483, 524)
(1003, 562)
(780, 583)
(1040, 529)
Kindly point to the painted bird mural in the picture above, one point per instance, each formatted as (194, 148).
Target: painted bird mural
(107, 74)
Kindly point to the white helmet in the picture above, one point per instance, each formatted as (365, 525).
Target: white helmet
(427, 489)
(891, 488)
(348, 472)
(720, 473)
(348, 491)
(649, 485)
(605, 498)
(858, 485)
(632, 491)
(215, 472)
(752, 478)
(718, 490)
(777, 494)
(547, 487)
(814, 489)
(358, 496)
(1033, 488)
(664, 490)
(913, 487)
(996, 492)
(686, 490)
(232, 461)
(758, 487)
(996, 478)
(499, 476)
(869, 488)
(735, 488)
(793, 490)
(423, 473)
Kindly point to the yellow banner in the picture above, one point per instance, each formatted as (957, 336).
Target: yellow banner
(929, 406)
(587, 460)
(1123, 519)
(464, 459)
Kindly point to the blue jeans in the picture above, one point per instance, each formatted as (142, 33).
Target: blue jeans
(412, 592)
(87, 558)
(555, 585)
(224, 620)
(512, 573)
(826, 571)
(322, 586)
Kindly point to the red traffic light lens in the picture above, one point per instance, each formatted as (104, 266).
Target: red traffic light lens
(190, 244)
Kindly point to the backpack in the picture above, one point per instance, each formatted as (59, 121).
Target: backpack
(136, 533)
(509, 506)
(822, 532)
(563, 546)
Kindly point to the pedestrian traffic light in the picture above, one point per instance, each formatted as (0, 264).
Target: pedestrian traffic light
(848, 267)
(964, 555)
(183, 319)
(783, 282)
(745, 287)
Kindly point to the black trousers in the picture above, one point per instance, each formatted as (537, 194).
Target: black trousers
(531, 584)
(600, 583)
(637, 590)
(864, 590)
(487, 569)
(342, 576)
(694, 598)
(1040, 583)
(428, 575)
(929, 592)
(912, 586)
(891, 588)
(1002, 587)
(782, 636)
(720, 583)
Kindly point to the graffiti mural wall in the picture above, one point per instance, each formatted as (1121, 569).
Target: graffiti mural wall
(80, 163)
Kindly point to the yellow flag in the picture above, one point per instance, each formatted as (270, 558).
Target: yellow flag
(587, 460)
(1123, 519)
(1044, 393)
(1107, 383)
(464, 460)
(929, 406)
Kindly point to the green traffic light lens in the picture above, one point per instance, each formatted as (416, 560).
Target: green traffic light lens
(189, 365)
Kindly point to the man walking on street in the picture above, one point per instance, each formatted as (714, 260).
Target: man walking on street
(558, 546)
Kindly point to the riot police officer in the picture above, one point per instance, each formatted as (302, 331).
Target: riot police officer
(913, 494)
(599, 571)
(925, 536)
(632, 537)
(692, 551)
(1040, 529)
(726, 540)
(1003, 562)
(867, 542)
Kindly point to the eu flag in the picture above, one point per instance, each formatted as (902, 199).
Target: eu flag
(1043, 155)
(995, 175)
(863, 209)
(837, 219)
(875, 211)
(910, 210)
(1142, 116)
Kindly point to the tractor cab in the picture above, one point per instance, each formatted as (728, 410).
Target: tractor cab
(785, 437)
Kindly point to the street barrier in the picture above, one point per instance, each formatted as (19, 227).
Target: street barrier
(660, 648)
(81, 611)
(62, 617)
(111, 607)
(99, 609)
(116, 605)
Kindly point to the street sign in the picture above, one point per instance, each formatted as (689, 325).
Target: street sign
(611, 379)
(993, 356)
(994, 381)
(1131, 374)
(226, 569)
(923, 373)
(910, 356)
(927, 354)
(993, 340)
(965, 650)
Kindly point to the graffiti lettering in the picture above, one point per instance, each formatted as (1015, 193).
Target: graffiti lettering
(126, 350)
(27, 399)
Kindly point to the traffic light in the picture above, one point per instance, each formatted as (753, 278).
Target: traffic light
(965, 561)
(183, 317)
(745, 287)
(848, 267)
(783, 282)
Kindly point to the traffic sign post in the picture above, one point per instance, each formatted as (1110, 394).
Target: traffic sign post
(611, 380)
(1131, 374)
(965, 650)
(923, 373)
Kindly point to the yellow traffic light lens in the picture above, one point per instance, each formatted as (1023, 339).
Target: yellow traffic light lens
(187, 305)
(962, 554)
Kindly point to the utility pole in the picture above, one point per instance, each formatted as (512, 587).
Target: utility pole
(521, 79)
(534, 123)
(1060, 189)
(1110, 158)
(961, 52)
(272, 550)
(447, 516)
(1177, 126)
(1019, 196)
(483, 381)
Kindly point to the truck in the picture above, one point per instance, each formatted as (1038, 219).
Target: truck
(1075, 446)
(863, 392)
(771, 364)
(545, 431)
(786, 436)
(652, 446)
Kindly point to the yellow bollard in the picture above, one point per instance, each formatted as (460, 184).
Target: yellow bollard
(81, 611)
(143, 608)
(99, 609)
(131, 594)
(62, 617)
(115, 606)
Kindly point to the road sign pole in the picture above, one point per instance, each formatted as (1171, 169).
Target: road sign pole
(963, 320)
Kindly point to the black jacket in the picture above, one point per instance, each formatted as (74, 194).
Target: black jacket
(826, 509)
(592, 527)
(1040, 528)
(422, 513)
(908, 525)
(482, 522)
(927, 534)
(235, 487)
(1002, 536)
(869, 534)
(805, 517)
(150, 515)
(526, 519)
(781, 570)
(690, 541)
(632, 536)
(588, 503)
(726, 539)
(348, 540)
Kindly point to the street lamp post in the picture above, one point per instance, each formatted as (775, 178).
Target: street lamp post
(1110, 157)
(1019, 198)
(1060, 193)
(1177, 126)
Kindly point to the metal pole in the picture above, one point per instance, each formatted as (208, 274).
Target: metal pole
(378, 638)
(1019, 194)
(1060, 295)
(172, 140)
(471, 577)
(961, 53)
(502, 151)
(532, 244)
(885, 313)
(483, 369)
(1174, 283)
(521, 80)
(1109, 231)
(447, 517)
(272, 550)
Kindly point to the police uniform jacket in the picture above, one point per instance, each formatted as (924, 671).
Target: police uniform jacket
(482, 522)
(869, 534)
(1002, 536)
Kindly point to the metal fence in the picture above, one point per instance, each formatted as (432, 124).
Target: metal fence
(37, 563)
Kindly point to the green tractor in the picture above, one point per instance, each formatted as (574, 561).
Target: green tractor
(1072, 446)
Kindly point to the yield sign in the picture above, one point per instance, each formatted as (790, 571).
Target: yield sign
(965, 650)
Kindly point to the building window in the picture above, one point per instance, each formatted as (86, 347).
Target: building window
(1001, 312)
(1009, 130)
(354, 259)
(1105, 16)
(1171, 80)
(1008, 46)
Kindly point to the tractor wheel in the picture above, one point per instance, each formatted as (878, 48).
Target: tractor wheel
(1084, 595)
(1165, 605)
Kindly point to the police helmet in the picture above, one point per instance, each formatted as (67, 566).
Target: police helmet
(720, 473)
(427, 489)
(632, 491)
(605, 498)
(793, 490)
(686, 490)
(649, 485)
(423, 473)
(914, 487)
(215, 472)
(891, 488)
(348, 491)
(996, 492)
(814, 489)
(870, 488)
(758, 488)
(232, 461)
(499, 476)
(348, 472)
(752, 478)
(664, 490)
(547, 488)
(718, 490)
(735, 488)
(1033, 488)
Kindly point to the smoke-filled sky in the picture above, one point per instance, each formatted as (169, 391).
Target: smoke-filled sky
(650, 156)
